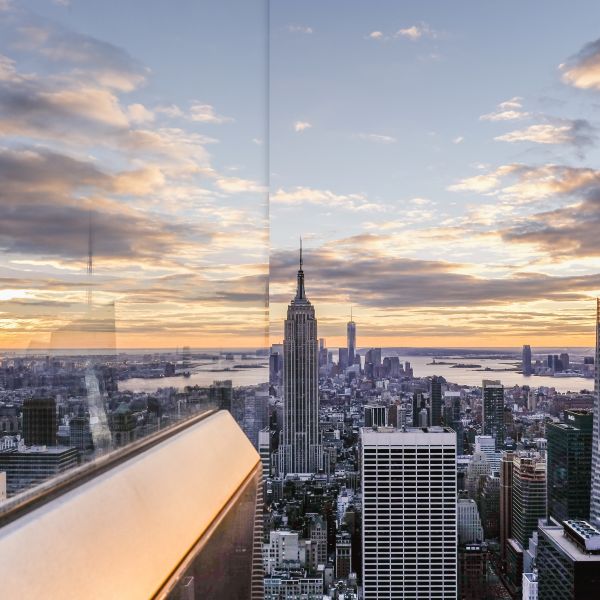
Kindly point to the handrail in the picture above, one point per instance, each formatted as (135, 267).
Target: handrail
(26, 501)
(187, 560)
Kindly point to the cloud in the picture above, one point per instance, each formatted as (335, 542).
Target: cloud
(482, 183)
(138, 113)
(237, 185)
(300, 29)
(205, 113)
(305, 195)
(300, 126)
(352, 270)
(458, 139)
(578, 132)
(416, 32)
(100, 62)
(509, 110)
(172, 111)
(583, 69)
(568, 231)
(412, 33)
(47, 200)
(376, 137)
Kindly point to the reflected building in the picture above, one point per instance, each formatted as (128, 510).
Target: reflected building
(39, 421)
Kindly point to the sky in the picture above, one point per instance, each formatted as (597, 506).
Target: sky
(438, 160)
(150, 123)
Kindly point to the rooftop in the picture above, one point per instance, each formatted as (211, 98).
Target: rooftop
(556, 534)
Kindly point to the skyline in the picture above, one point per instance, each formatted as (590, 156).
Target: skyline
(439, 174)
(443, 188)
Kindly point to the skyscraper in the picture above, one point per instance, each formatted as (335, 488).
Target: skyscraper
(436, 401)
(39, 421)
(506, 507)
(568, 561)
(529, 495)
(493, 411)
(569, 454)
(526, 366)
(351, 335)
(595, 495)
(409, 513)
(300, 451)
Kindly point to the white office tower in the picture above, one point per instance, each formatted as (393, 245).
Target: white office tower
(595, 492)
(469, 522)
(409, 533)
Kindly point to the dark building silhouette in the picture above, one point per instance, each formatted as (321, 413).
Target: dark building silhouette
(493, 411)
(436, 401)
(39, 422)
(527, 369)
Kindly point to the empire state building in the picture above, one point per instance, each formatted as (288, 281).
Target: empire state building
(300, 451)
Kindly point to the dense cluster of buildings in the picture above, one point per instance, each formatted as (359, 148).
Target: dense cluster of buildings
(377, 483)
(442, 491)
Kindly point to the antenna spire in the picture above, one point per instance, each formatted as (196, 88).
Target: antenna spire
(90, 264)
(300, 294)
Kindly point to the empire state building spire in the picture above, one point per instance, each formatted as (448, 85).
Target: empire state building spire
(300, 293)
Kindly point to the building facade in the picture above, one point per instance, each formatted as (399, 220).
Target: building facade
(595, 491)
(39, 422)
(493, 411)
(569, 561)
(409, 513)
(300, 451)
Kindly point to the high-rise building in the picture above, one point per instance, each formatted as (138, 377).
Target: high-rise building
(343, 358)
(528, 507)
(264, 450)
(409, 513)
(301, 450)
(468, 522)
(39, 421)
(472, 571)
(530, 586)
(506, 486)
(343, 555)
(375, 416)
(568, 561)
(529, 495)
(436, 401)
(493, 411)
(595, 491)
(569, 453)
(27, 467)
(489, 506)
(479, 468)
(351, 335)
(526, 363)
